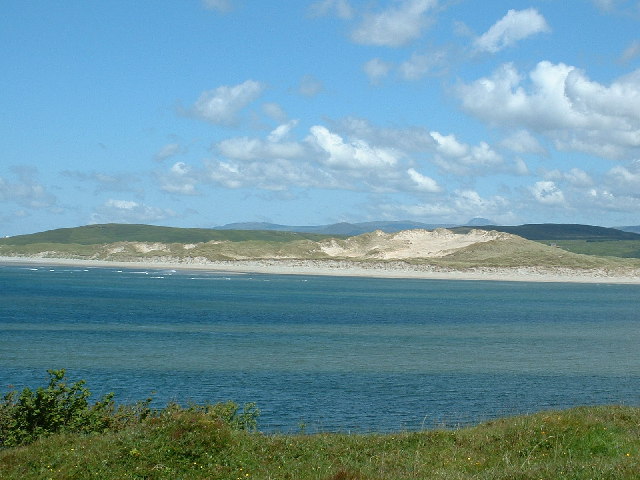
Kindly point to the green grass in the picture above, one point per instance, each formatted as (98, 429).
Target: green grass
(581, 443)
(602, 248)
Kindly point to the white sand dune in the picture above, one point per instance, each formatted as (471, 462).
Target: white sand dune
(407, 244)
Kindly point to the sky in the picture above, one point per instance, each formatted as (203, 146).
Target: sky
(198, 113)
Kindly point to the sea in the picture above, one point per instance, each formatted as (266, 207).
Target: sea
(322, 353)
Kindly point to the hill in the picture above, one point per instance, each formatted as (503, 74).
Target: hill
(116, 232)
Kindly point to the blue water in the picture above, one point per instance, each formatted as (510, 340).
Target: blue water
(333, 353)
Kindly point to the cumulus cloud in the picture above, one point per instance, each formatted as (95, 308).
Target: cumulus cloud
(516, 25)
(575, 177)
(408, 139)
(127, 211)
(625, 179)
(221, 105)
(461, 159)
(547, 193)
(376, 69)
(561, 102)
(523, 141)
(423, 183)
(395, 26)
(181, 179)
(353, 155)
(281, 131)
(341, 8)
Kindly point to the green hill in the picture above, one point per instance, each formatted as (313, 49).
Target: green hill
(115, 232)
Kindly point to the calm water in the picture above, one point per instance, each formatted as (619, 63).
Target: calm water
(333, 353)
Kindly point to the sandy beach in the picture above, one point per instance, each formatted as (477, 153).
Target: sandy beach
(394, 269)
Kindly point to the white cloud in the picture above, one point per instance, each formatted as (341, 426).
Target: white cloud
(423, 183)
(461, 159)
(221, 105)
(248, 149)
(376, 69)
(523, 141)
(408, 139)
(576, 177)
(341, 8)
(516, 25)
(181, 179)
(354, 155)
(625, 179)
(281, 131)
(219, 5)
(396, 26)
(127, 211)
(561, 102)
(547, 193)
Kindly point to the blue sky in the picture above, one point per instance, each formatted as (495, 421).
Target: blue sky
(197, 113)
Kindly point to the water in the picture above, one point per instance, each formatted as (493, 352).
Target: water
(333, 353)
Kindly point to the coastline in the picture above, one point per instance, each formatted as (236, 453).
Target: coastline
(344, 268)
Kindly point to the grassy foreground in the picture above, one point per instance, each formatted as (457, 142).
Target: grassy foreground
(582, 443)
(55, 433)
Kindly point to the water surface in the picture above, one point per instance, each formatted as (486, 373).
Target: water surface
(334, 353)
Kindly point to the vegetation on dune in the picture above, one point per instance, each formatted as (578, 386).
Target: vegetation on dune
(221, 442)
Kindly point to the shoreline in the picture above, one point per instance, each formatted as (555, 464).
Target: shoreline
(344, 268)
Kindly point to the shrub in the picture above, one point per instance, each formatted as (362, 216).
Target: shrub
(58, 407)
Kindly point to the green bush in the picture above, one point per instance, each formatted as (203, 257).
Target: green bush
(57, 408)
(60, 407)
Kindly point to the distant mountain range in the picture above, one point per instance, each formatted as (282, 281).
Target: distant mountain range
(634, 229)
(539, 231)
(343, 228)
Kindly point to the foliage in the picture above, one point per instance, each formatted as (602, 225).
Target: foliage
(191, 444)
(64, 408)
(56, 408)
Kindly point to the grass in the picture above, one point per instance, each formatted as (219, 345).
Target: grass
(581, 443)
(609, 248)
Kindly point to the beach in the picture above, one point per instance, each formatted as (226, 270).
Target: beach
(379, 269)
